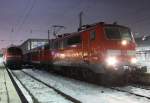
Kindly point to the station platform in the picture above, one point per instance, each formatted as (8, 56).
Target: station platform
(8, 93)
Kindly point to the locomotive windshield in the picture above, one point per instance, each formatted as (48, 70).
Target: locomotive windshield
(14, 50)
(118, 32)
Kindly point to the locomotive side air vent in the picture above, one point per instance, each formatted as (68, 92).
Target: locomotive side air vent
(59, 36)
(66, 34)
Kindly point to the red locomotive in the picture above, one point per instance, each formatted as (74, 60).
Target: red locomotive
(105, 52)
(13, 57)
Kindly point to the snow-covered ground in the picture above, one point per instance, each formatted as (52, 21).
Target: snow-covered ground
(135, 90)
(42, 93)
(85, 92)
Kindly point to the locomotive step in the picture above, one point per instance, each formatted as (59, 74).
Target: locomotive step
(8, 93)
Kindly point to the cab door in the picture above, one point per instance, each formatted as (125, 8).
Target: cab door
(93, 46)
(85, 46)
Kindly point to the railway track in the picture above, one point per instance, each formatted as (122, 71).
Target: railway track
(142, 87)
(35, 99)
(131, 91)
(72, 98)
(126, 91)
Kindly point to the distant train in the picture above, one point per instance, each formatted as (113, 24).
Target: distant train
(13, 57)
(103, 52)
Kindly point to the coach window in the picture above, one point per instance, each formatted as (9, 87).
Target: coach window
(46, 47)
(92, 35)
(74, 40)
(52, 45)
(56, 44)
(61, 44)
(65, 42)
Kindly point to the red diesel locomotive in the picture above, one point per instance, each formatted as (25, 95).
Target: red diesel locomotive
(105, 52)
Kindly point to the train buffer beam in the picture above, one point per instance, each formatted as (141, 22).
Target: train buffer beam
(8, 93)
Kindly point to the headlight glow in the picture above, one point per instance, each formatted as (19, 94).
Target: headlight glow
(113, 52)
(62, 56)
(133, 60)
(124, 42)
(111, 61)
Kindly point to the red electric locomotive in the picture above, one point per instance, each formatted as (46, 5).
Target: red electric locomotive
(105, 52)
(13, 57)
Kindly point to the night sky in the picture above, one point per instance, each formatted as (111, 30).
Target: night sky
(23, 19)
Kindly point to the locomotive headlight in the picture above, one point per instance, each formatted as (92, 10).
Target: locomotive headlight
(124, 42)
(133, 60)
(111, 61)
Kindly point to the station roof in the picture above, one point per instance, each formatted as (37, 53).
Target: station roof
(33, 40)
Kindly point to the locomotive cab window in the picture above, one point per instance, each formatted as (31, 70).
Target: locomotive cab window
(74, 40)
(92, 35)
(117, 32)
(14, 50)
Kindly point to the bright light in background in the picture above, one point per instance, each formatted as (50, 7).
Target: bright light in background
(62, 55)
(144, 38)
(133, 60)
(1, 61)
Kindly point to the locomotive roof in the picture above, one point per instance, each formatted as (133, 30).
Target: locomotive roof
(11, 47)
(87, 27)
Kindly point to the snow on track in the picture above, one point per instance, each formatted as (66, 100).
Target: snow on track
(85, 92)
(41, 93)
(135, 90)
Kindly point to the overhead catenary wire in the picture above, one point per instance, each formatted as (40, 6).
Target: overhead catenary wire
(26, 15)
(19, 20)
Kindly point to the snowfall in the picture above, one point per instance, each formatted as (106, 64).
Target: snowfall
(82, 91)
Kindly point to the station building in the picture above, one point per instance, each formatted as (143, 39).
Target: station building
(143, 50)
(30, 44)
